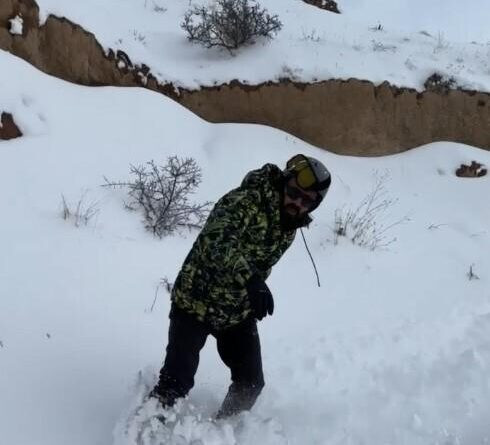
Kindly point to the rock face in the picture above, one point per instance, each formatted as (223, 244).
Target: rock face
(8, 128)
(59, 48)
(348, 117)
(352, 117)
(327, 5)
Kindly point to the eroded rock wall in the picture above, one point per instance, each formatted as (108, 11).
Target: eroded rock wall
(352, 117)
(348, 117)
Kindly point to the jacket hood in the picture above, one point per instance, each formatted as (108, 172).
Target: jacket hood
(267, 177)
(269, 181)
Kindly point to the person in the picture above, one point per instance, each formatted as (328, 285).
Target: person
(221, 288)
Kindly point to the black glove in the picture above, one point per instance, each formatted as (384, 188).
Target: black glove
(260, 297)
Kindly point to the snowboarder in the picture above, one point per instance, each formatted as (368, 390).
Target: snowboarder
(221, 288)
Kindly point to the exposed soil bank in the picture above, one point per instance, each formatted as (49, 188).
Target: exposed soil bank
(348, 117)
(352, 117)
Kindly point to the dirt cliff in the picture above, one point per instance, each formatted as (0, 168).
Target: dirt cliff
(351, 117)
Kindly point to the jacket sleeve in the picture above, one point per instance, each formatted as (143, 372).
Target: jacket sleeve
(222, 236)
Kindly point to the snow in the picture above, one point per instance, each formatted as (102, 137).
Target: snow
(415, 39)
(16, 25)
(393, 348)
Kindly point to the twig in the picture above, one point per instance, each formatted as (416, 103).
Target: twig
(435, 226)
(164, 282)
(155, 299)
(471, 275)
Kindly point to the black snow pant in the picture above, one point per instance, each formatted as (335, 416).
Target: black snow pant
(238, 347)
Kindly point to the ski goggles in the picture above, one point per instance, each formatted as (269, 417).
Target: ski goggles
(304, 173)
(295, 193)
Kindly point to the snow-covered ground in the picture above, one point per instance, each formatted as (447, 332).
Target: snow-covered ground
(393, 348)
(417, 38)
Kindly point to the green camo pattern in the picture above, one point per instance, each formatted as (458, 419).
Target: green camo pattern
(242, 236)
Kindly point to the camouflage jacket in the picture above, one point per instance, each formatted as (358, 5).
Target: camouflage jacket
(242, 236)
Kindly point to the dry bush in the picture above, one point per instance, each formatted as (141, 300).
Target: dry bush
(365, 225)
(229, 24)
(81, 213)
(439, 83)
(162, 193)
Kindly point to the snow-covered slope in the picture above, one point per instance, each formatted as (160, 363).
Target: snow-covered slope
(393, 348)
(416, 39)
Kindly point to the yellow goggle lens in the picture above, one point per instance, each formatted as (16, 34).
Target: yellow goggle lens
(305, 178)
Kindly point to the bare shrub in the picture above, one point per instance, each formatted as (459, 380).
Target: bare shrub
(365, 224)
(139, 37)
(156, 6)
(81, 213)
(439, 83)
(382, 47)
(312, 36)
(290, 73)
(229, 24)
(162, 193)
(441, 43)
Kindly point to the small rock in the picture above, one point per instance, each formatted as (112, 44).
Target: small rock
(8, 128)
(475, 170)
(328, 5)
